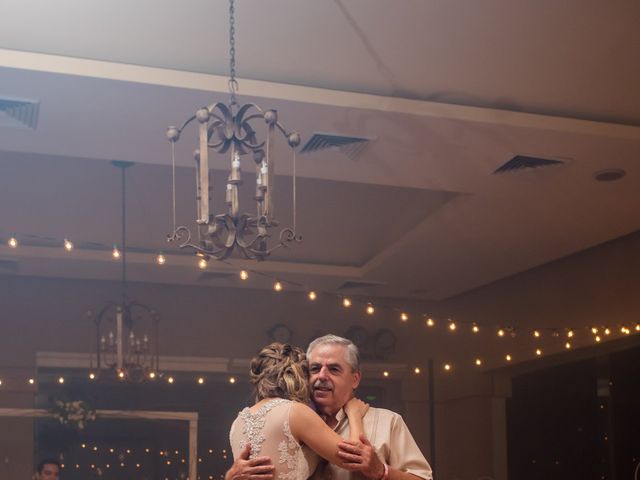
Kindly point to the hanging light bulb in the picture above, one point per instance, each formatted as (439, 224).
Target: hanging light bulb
(277, 286)
(244, 275)
(152, 375)
(61, 380)
(346, 302)
(536, 333)
(570, 333)
(637, 327)
(567, 345)
(170, 380)
(597, 338)
(501, 332)
(312, 295)
(447, 367)
(31, 381)
(200, 381)
(452, 326)
(594, 330)
(607, 331)
(475, 328)
(13, 242)
(202, 263)
(161, 259)
(416, 370)
(430, 322)
(385, 373)
(115, 253)
(478, 362)
(92, 376)
(232, 379)
(508, 357)
(538, 352)
(370, 309)
(404, 317)
(68, 245)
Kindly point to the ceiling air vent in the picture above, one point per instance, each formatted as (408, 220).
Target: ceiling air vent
(352, 147)
(522, 162)
(19, 113)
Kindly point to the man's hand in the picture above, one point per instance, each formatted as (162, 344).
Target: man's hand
(360, 457)
(259, 468)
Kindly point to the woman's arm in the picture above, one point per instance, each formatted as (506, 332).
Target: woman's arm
(355, 410)
(308, 428)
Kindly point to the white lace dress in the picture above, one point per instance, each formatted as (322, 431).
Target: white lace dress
(268, 432)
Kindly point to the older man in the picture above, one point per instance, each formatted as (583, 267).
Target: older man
(388, 452)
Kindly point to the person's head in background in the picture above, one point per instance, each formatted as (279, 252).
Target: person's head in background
(280, 371)
(48, 469)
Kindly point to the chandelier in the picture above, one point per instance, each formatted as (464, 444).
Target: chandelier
(232, 129)
(126, 342)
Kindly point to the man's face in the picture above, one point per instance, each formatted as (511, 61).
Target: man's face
(50, 471)
(330, 377)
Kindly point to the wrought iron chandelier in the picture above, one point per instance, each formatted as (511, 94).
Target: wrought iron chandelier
(229, 129)
(131, 351)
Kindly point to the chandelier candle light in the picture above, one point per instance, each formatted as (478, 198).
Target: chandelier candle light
(229, 129)
(123, 353)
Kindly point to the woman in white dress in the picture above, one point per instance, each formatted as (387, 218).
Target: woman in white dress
(280, 424)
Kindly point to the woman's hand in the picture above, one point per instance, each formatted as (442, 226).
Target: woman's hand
(356, 408)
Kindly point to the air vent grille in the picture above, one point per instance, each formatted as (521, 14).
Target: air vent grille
(352, 147)
(19, 113)
(521, 162)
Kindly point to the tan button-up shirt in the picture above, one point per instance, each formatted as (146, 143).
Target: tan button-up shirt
(391, 440)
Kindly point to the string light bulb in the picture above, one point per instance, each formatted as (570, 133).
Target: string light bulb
(68, 245)
(232, 379)
(61, 380)
(13, 242)
(152, 375)
(404, 317)
(416, 370)
(92, 376)
(607, 331)
(244, 275)
(538, 352)
(170, 380)
(597, 338)
(570, 333)
(452, 326)
(115, 253)
(160, 259)
(312, 295)
(121, 375)
(475, 328)
(501, 332)
(637, 327)
(508, 357)
(31, 381)
(594, 330)
(200, 380)
(202, 263)
(385, 373)
(478, 362)
(370, 309)
(430, 322)
(536, 333)
(346, 302)
(567, 345)
(277, 286)
(447, 367)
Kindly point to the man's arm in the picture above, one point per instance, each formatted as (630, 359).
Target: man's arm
(259, 468)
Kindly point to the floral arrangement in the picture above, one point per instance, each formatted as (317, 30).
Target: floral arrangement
(75, 414)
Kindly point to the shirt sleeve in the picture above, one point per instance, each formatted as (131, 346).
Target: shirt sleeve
(404, 453)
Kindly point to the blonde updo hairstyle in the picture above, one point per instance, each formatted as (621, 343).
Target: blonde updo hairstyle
(280, 370)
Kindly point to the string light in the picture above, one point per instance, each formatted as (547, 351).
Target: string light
(13, 242)
(508, 357)
(277, 286)
(385, 373)
(0, 381)
(68, 245)
(594, 330)
(152, 375)
(447, 367)
(232, 380)
(370, 309)
(312, 295)
(200, 380)
(567, 345)
(607, 331)
(416, 370)
(115, 253)
(92, 376)
(170, 380)
(570, 333)
(475, 328)
(61, 380)
(244, 275)
(160, 259)
(538, 352)
(637, 327)
(121, 375)
(478, 362)
(346, 302)
(430, 322)
(31, 381)
(404, 317)
(536, 333)
(597, 338)
(202, 263)
(452, 326)
(501, 332)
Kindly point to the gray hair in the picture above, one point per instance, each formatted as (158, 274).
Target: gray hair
(352, 355)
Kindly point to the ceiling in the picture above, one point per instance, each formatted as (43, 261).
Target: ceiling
(448, 92)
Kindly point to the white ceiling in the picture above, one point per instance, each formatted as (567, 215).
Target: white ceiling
(450, 91)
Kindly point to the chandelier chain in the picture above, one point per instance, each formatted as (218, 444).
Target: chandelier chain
(233, 83)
